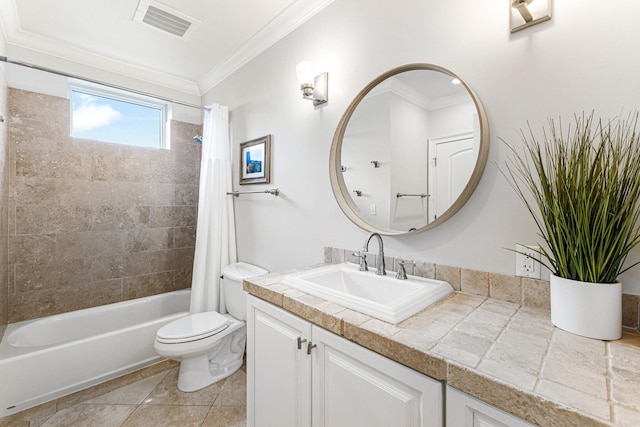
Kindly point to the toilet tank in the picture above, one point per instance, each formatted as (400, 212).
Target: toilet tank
(234, 297)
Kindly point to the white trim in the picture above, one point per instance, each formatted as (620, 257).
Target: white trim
(124, 96)
(405, 91)
(291, 18)
(294, 16)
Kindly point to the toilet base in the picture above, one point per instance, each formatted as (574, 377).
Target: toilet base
(209, 360)
(199, 372)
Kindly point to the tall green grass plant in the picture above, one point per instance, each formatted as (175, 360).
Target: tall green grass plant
(582, 188)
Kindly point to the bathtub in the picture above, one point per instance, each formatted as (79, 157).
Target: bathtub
(50, 357)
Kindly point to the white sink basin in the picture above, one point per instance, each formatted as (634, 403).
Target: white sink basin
(383, 297)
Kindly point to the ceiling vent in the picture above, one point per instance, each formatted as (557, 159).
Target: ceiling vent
(164, 18)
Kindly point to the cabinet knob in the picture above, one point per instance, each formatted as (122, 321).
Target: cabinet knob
(300, 341)
(310, 346)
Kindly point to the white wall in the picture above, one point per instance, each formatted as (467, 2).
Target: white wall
(586, 58)
(33, 80)
(366, 141)
(409, 164)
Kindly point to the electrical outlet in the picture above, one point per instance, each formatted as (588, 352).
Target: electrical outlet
(527, 261)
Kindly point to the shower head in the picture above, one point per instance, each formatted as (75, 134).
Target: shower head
(198, 139)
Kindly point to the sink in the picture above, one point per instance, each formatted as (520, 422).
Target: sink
(383, 297)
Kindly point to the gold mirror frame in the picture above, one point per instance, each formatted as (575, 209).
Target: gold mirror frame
(338, 185)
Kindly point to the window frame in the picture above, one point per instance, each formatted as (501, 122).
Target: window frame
(122, 95)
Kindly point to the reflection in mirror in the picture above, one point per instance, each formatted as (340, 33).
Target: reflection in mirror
(413, 144)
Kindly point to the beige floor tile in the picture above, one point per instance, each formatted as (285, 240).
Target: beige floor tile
(167, 393)
(234, 392)
(91, 415)
(36, 413)
(14, 423)
(167, 416)
(226, 416)
(97, 390)
(131, 394)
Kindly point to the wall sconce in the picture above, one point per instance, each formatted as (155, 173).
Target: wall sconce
(314, 88)
(526, 13)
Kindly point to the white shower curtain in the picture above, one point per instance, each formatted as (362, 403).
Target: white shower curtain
(215, 233)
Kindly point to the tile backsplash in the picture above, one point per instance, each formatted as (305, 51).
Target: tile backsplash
(520, 290)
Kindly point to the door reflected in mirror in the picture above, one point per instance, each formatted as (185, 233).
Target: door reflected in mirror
(409, 150)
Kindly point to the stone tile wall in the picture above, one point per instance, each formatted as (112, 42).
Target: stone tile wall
(93, 223)
(519, 290)
(4, 191)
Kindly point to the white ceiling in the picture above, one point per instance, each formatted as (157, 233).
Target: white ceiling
(103, 34)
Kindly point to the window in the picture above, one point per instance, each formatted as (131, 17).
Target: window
(111, 115)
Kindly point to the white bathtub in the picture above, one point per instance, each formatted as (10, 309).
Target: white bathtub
(46, 358)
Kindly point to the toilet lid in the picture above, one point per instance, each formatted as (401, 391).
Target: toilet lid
(193, 327)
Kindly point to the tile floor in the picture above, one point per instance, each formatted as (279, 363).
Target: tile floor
(149, 397)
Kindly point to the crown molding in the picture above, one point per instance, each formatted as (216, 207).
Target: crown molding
(33, 46)
(392, 85)
(29, 47)
(294, 16)
(41, 47)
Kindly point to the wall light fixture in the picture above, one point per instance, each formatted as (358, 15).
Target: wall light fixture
(314, 87)
(525, 13)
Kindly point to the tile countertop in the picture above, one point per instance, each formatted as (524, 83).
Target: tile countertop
(509, 356)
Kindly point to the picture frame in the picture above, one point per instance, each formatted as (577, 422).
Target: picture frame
(255, 161)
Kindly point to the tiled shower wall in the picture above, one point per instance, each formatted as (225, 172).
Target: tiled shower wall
(4, 191)
(94, 223)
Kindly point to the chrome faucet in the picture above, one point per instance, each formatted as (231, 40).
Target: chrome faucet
(363, 260)
(401, 273)
(380, 269)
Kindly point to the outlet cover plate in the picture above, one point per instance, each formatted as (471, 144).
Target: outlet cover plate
(528, 265)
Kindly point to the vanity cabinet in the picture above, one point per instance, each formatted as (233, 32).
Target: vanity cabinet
(300, 375)
(278, 369)
(466, 411)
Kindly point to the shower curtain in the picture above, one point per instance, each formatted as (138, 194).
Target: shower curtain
(215, 233)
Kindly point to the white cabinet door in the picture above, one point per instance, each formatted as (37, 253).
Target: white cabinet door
(328, 381)
(278, 373)
(466, 411)
(353, 386)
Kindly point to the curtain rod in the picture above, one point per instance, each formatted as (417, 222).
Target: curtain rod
(60, 73)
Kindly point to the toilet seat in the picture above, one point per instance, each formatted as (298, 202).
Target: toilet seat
(192, 327)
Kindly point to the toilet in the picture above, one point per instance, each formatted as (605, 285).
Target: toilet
(209, 345)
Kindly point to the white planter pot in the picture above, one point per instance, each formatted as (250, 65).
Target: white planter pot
(593, 310)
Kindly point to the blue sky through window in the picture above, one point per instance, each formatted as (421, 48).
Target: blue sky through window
(104, 119)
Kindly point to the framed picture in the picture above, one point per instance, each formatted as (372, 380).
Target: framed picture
(255, 161)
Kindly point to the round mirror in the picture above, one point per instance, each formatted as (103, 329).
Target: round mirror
(409, 150)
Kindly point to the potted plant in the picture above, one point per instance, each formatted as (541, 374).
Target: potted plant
(582, 188)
